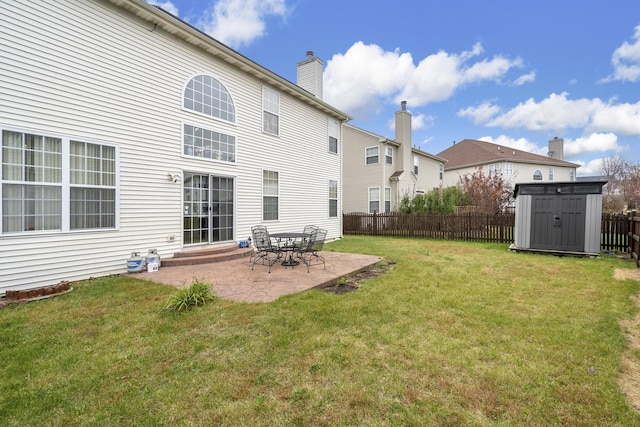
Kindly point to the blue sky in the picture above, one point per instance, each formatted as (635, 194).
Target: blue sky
(516, 73)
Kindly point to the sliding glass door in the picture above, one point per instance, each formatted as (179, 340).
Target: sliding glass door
(208, 212)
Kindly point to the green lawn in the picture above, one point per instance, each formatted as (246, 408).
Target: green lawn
(453, 334)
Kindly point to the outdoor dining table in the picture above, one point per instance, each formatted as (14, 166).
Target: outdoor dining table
(289, 246)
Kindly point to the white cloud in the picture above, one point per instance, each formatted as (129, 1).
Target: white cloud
(553, 113)
(594, 143)
(525, 78)
(621, 118)
(239, 22)
(166, 5)
(590, 168)
(626, 60)
(366, 76)
(359, 79)
(418, 121)
(480, 114)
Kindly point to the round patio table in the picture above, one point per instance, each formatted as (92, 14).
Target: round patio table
(289, 246)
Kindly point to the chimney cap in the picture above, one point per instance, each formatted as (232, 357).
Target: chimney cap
(404, 105)
(309, 54)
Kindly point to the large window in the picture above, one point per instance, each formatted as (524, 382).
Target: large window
(371, 155)
(93, 180)
(334, 133)
(494, 168)
(35, 195)
(333, 198)
(374, 200)
(270, 111)
(208, 144)
(206, 95)
(270, 195)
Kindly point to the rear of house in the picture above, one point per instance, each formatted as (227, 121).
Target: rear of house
(125, 129)
(381, 171)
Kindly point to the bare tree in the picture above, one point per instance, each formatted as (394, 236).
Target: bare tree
(623, 183)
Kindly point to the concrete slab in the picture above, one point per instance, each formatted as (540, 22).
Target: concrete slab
(236, 281)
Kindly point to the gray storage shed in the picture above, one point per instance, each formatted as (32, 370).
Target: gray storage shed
(559, 217)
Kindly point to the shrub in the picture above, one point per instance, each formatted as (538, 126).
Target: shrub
(199, 293)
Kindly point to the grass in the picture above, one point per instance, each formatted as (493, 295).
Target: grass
(454, 334)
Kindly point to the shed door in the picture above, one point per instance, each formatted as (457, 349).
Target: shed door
(557, 222)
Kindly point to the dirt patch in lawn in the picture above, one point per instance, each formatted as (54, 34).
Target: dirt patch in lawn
(352, 282)
(629, 379)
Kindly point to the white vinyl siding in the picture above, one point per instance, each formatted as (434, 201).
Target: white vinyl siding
(93, 84)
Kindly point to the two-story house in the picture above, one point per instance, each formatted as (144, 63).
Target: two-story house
(516, 166)
(380, 171)
(124, 129)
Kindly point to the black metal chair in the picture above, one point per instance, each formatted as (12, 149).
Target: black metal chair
(308, 229)
(265, 250)
(309, 253)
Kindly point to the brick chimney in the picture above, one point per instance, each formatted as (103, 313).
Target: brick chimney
(310, 75)
(556, 148)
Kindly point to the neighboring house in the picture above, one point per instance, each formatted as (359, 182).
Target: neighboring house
(379, 171)
(516, 166)
(126, 129)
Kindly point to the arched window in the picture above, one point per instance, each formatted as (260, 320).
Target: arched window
(537, 175)
(206, 95)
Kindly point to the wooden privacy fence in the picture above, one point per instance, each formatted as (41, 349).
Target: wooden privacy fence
(618, 232)
(467, 226)
(634, 238)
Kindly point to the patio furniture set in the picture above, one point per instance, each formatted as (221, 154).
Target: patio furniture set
(291, 248)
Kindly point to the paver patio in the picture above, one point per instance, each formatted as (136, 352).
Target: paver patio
(236, 281)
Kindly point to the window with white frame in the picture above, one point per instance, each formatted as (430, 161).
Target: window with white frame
(334, 132)
(388, 155)
(387, 199)
(372, 155)
(35, 197)
(208, 144)
(572, 175)
(270, 195)
(333, 198)
(416, 164)
(441, 171)
(537, 175)
(508, 168)
(374, 200)
(494, 168)
(270, 111)
(206, 95)
(550, 174)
